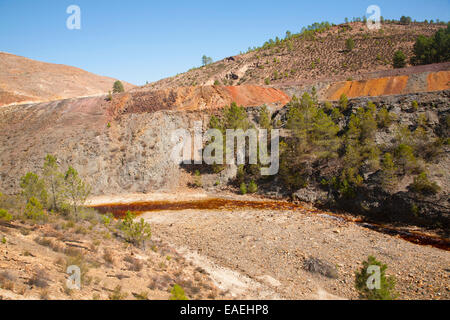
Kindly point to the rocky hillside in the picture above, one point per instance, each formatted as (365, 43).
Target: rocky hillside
(23, 80)
(309, 58)
(123, 146)
(118, 145)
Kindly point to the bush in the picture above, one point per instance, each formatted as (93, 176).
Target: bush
(252, 187)
(135, 232)
(206, 60)
(177, 293)
(404, 155)
(118, 87)
(264, 118)
(387, 284)
(54, 182)
(34, 210)
(5, 215)
(197, 179)
(424, 186)
(243, 188)
(343, 102)
(75, 189)
(350, 44)
(399, 60)
(384, 118)
(405, 20)
(433, 49)
(33, 187)
(388, 171)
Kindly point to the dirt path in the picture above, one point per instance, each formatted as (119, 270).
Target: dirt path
(260, 254)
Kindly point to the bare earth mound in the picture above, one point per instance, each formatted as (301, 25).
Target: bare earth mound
(23, 79)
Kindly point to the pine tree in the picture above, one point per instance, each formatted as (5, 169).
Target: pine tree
(75, 189)
(118, 87)
(54, 181)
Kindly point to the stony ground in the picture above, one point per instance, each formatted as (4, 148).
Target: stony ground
(34, 260)
(235, 253)
(262, 254)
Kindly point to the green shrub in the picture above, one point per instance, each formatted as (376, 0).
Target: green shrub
(35, 211)
(350, 44)
(118, 87)
(243, 188)
(75, 189)
(252, 187)
(328, 106)
(117, 294)
(5, 215)
(343, 102)
(387, 284)
(405, 20)
(404, 155)
(264, 118)
(197, 179)
(33, 187)
(336, 115)
(423, 185)
(415, 105)
(388, 171)
(177, 293)
(399, 60)
(384, 118)
(54, 183)
(206, 60)
(135, 232)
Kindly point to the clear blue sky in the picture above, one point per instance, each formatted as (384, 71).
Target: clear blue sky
(145, 40)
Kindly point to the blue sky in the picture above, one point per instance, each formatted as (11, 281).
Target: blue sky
(145, 40)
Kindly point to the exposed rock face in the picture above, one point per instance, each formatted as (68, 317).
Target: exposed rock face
(132, 153)
(23, 79)
(427, 78)
(203, 97)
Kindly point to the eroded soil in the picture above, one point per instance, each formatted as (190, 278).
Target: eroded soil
(261, 252)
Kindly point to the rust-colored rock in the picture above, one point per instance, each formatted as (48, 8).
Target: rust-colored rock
(372, 87)
(438, 81)
(142, 100)
(421, 82)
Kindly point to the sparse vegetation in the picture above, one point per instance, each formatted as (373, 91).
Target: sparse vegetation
(177, 293)
(349, 44)
(399, 60)
(118, 87)
(206, 60)
(387, 284)
(135, 232)
(423, 185)
(243, 188)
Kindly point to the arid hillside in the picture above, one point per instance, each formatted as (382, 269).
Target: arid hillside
(26, 80)
(308, 59)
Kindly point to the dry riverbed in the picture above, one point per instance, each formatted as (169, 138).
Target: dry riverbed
(254, 249)
(261, 254)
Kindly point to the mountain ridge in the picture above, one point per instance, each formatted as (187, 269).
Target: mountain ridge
(26, 80)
